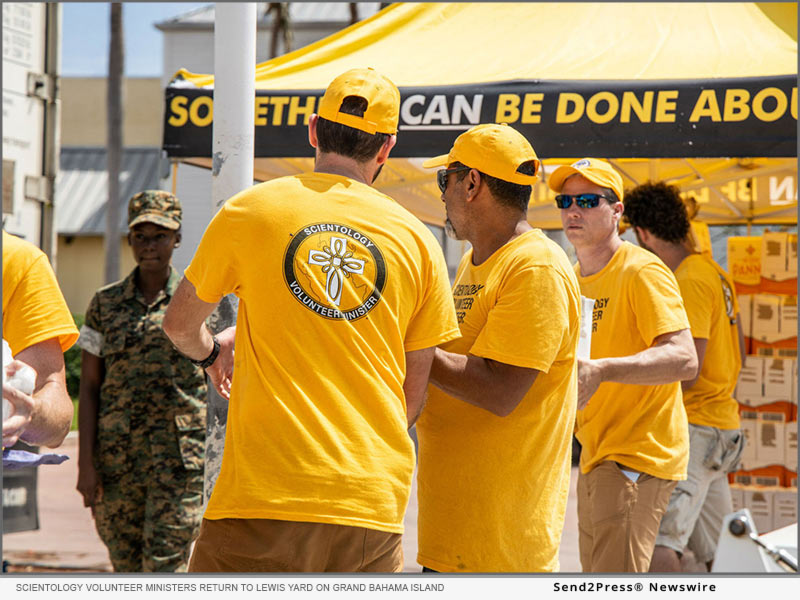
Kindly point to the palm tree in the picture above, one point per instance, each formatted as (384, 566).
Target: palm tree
(281, 25)
(116, 66)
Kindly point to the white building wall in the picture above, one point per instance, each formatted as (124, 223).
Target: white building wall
(23, 116)
(194, 192)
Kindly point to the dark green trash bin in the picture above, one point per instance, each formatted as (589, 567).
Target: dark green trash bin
(20, 509)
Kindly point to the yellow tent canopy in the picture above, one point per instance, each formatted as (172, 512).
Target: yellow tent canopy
(701, 95)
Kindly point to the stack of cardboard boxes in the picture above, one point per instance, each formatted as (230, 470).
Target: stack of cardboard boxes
(764, 270)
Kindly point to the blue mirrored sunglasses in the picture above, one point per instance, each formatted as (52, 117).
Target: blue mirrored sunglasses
(582, 200)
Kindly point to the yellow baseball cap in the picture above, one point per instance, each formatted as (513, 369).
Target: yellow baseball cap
(596, 171)
(495, 149)
(382, 96)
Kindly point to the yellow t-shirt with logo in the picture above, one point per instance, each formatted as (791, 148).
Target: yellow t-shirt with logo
(493, 490)
(641, 426)
(34, 309)
(336, 282)
(712, 308)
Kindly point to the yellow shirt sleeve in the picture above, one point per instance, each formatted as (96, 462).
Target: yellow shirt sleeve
(656, 302)
(213, 268)
(697, 301)
(434, 321)
(527, 324)
(35, 310)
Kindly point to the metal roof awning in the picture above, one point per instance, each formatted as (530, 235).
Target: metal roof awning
(82, 187)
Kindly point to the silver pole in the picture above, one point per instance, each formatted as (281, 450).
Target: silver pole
(232, 168)
(52, 130)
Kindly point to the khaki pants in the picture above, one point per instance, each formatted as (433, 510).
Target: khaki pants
(699, 504)
(267, 545)
(618, 519)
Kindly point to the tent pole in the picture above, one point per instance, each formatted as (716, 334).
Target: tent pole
(231, 170)
(174, 177)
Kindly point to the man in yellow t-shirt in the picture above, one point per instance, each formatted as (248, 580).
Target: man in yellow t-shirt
(495, 437)
(343, 296)
(698, 504)
(631, 422)
(38, 328)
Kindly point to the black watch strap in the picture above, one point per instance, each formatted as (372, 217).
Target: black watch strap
(209, 360)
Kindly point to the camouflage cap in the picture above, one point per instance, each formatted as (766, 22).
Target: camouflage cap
(155, 206)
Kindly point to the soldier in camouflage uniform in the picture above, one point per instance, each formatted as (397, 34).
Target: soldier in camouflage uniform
(142, 407)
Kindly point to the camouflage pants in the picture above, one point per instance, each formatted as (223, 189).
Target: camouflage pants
(149, 525)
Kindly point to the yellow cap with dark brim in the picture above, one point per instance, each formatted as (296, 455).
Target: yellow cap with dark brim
(597, 171)
(495, 149)
(382, 96)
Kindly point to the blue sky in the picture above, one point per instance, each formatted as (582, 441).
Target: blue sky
(85, 34)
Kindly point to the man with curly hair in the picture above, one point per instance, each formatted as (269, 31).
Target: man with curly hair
(631, 422)
(697, 506)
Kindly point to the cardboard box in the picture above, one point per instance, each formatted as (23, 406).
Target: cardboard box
(767, 477)
(794, 382)
(771, 438)
(778, 378)
(746, 314)
(788, 327)
(769, 405)
(750, 402)
(737, 496)
(748, 420)
(741, 478)
(774, 253)
(751, 378)
(744, 259)
(784, 407)
(784, 507)
(791, 255)
(766, 320)
(760, 503)
(778, 348)
(790, 446)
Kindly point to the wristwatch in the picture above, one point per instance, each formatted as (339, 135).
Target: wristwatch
(209, 360)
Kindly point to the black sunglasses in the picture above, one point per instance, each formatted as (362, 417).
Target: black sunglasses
(441, 176)
(582, 200)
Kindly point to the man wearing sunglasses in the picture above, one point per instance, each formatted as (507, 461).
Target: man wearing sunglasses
(631, 421)
(697, 506)
(495, 437)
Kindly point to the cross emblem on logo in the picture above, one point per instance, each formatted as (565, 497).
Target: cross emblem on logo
(338, 262)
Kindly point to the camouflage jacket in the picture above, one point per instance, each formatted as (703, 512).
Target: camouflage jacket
(152, 406)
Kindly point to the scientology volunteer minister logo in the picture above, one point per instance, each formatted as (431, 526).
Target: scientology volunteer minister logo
(334, 271)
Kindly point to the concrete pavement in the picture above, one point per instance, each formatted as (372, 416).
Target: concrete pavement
(66, 538)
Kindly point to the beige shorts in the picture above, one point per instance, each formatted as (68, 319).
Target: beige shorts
(618, 518)
(699, 504)
(267, 545)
